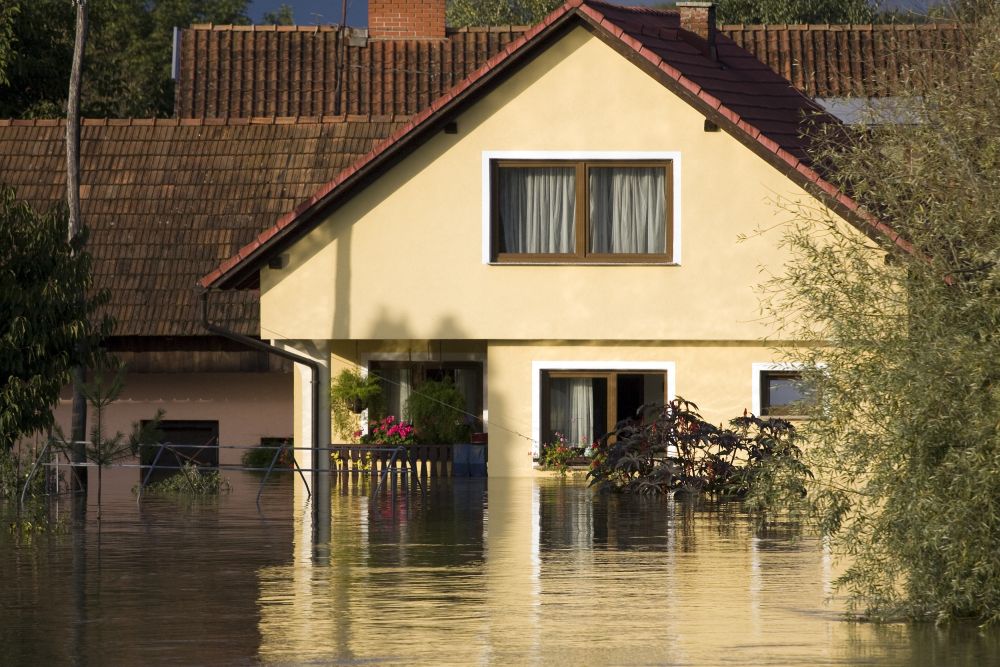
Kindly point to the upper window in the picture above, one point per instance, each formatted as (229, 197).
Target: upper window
(581, 211)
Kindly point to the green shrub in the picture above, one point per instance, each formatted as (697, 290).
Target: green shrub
(437, 411)
(678, 451)
(350, 393)
(191, 480)
(261, 457)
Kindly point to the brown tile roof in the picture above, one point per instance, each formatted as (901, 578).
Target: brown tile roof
(287, 71)
(850, 60)
(744, 96)
(167, 200)
(291, 71)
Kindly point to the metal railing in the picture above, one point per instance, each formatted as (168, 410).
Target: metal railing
(386, 463)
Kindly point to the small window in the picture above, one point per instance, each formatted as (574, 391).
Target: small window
(584, 405)
(784, 394)
(581, 211)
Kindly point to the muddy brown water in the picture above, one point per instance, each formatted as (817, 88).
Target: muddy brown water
(513, 572)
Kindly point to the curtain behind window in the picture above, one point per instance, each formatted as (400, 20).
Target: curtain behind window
(537, 209)
(467, 382)
(628, 210)
(572, 409)
(396, 386)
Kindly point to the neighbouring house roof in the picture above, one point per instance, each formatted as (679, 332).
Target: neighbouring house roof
(741, 94)
(293, 70)
(166, 200)
(851, 60)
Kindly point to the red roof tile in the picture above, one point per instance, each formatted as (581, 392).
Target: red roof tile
(746, 96)
(167, 201)
(850, 60)
(235, 71)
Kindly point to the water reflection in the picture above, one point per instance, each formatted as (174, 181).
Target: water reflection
(513, 572)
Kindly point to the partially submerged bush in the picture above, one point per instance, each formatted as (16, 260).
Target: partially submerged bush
(678, 451)
(261, 457)
(191, 480)
(15, 466)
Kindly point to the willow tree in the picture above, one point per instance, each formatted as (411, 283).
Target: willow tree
(905, 334)
(795, 11)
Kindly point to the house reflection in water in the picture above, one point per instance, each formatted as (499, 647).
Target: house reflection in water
(540, 571)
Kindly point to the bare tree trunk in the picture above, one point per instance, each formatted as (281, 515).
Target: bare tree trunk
(78, 426)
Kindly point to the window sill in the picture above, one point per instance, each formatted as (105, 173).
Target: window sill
(551, 262)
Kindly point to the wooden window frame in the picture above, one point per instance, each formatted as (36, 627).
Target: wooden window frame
(581, 255)
(765, 397)
(611, 400)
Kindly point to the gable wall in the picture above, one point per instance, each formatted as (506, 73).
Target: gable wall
(404, 258)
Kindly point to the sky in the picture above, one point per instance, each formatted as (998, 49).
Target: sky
(311, 12)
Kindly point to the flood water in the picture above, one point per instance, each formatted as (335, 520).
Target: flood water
(513, 572)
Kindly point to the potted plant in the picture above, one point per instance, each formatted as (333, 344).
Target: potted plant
(350, 394)
(437, 410)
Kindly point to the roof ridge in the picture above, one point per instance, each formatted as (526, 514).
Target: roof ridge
(334, 27)
(210, 121)
(636, 9)
(839, 26)
(251, 27)
(487, 28)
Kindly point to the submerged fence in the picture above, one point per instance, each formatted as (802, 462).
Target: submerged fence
(384, 463)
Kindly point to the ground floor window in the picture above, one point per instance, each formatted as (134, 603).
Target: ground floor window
(780, 391)
(194, 441)
(400, 378)
(583, 405)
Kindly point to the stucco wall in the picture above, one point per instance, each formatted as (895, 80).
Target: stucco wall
(248, 406)
(404, 258)
(717, 376)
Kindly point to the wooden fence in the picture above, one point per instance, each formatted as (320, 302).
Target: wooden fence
(430, 460)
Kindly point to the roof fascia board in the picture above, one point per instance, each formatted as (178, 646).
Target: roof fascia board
(798, 172)
(311, 213)
(308, 215)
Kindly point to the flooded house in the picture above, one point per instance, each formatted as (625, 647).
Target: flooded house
(550, 216)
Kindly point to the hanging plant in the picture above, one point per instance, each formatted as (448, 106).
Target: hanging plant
(350, 395)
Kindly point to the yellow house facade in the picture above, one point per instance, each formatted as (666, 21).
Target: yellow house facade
(569, 234)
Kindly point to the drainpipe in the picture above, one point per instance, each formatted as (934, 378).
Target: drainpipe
(299, 359)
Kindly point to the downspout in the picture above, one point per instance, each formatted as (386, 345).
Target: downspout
(285, 354)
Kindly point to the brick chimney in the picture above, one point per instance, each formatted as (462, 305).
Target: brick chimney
(401, 19)
(699, 18)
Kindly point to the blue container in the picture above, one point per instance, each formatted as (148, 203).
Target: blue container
(460, 460)
(468, 460)
(477, 460)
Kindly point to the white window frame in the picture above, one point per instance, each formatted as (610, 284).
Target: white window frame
(538, 367)
(758, 369)
(675, 162)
